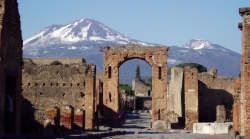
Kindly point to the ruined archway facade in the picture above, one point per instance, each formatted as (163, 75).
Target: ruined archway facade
(115, 56)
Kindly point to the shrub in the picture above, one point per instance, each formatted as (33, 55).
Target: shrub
(56, 62)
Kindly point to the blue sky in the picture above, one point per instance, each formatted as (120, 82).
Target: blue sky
(166, 22)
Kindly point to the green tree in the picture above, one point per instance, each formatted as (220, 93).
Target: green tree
(200, 67)
(137, 72)
(150, 82)
(128, 89)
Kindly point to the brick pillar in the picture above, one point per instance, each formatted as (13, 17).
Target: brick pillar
(159, 92)
(66, 118)
(191, 97)
(89, 102)
(245, 72)
(79, 120)
(237, 106)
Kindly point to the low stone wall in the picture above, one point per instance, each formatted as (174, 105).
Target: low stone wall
(211, 128)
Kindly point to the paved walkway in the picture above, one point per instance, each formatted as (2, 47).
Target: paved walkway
(136, 127)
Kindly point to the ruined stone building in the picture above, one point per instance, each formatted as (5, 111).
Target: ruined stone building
(241, 111)
(10, 64)
(126, 101)
(193, 97)
(140, 87)
(64, 86)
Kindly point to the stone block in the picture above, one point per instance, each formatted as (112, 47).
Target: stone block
(211, 128)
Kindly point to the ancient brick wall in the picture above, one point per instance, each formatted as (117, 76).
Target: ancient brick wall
(156, 56)
(10, 62)
(48, 86)
(140, 88)
(245, 72)
(191, 97)
(214, 90)
(237, 106)
(63, 60)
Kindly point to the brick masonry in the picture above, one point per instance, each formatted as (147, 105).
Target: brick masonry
(140, 87)
(10, 62)
(114, 57)
(237, 106)
(191, 97)
(213, 90)
(245, 71)
(56, 85)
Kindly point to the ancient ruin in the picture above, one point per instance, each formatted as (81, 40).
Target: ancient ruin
(10, 65)
(64, 92)
(66, 85)
(155, 56)
(194, 97)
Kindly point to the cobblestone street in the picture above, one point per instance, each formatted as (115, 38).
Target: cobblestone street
(136, 127)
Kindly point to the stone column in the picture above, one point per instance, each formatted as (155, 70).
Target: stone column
(89, 102)
(245, 72)
(191, 97)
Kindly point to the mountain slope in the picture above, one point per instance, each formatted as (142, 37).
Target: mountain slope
(83, 38)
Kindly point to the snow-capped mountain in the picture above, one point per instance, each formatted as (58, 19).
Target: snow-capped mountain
(83, 38)
(198, 44)
(81, 35)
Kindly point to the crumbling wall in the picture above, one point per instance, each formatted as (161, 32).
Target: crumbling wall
(63, 60)
(175, 91)
(214, 90)
(140, 88)
(57, 85)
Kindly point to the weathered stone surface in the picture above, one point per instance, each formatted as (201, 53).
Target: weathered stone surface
(66, 118)
(211, 128)
(56, 84)
(175, 92)
(191, 97)
(140, 88)
(245, 72)
(114, 57)
(220, 114)
(237, 106)
(214, 90)
(160, 125)
(79, 119)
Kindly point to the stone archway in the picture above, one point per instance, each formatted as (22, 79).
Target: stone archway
(115, 56)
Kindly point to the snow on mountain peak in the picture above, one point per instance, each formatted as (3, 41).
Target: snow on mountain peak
(198, 44)
(80, 30)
